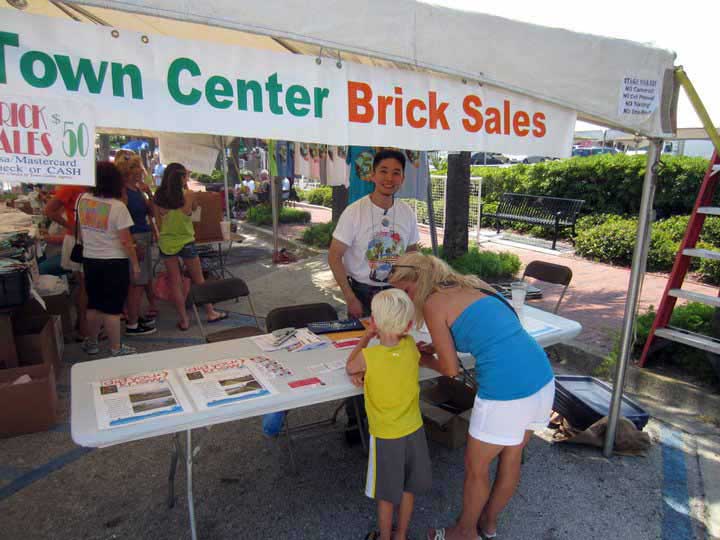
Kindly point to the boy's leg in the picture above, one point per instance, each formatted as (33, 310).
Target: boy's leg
(404, 515)
(385, 516)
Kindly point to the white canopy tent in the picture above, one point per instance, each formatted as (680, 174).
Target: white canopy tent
(591, 75)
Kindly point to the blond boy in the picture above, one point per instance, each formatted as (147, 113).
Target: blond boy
(399, 463)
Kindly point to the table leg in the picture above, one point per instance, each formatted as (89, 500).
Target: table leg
(189, 470)
(173, 470)
(360, 424)
(289, 442)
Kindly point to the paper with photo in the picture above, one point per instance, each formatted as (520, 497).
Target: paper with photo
(223, 382)
(137, 398)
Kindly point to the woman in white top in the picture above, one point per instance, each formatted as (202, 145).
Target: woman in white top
(109, 257)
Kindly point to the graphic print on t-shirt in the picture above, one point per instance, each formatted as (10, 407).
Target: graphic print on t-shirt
(384, 248)
(363, 165)
(95, 214)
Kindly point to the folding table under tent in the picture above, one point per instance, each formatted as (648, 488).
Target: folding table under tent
(278, 70)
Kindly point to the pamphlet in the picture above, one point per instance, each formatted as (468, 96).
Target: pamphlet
(223, 382)
(136, 398)
(305, 384)
(326, 367)
(302, 340)
(270, 368)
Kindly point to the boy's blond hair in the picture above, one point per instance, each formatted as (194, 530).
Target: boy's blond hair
(392, 311)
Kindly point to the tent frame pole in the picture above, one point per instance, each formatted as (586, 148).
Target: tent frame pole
(637, 273)
(225, 174)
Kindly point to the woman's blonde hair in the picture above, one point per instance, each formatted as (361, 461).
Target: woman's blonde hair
(431, 275)
(126, 161)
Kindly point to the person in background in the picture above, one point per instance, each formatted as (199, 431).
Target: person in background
(61, 210)
(137, 198)
(157, 170)
(399, 461)
(109, 257)
(174, 205)
(515, 382)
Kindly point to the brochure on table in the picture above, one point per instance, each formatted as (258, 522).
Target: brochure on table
(302, 340)
(137, 398)
(224, 382)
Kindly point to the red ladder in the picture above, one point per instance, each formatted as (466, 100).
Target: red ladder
(673, 289)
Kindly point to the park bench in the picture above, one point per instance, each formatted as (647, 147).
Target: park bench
(553, 212)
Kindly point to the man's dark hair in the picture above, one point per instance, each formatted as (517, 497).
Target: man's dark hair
(108, 181)
(389, 154)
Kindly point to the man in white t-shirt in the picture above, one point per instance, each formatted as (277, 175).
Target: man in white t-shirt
(371, 234)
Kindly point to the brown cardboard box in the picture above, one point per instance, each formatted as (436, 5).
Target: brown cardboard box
(446, 406)
(29, 407)
(36, 342)
(58, 304)
(208, 228)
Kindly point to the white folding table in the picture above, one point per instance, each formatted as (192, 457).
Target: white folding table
(548, 329)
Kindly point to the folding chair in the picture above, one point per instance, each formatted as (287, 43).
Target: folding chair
(550, 273)
(299, 317)
(220, 290)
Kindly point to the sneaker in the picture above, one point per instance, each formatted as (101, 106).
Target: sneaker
(124, 350)
(146, 321)
(90, 347)
(140, 330)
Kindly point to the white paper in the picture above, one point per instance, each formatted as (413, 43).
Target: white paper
(538, 328)
(223, 382)
(303, 340)
(137, 398)
(638, 96)
(326, 367)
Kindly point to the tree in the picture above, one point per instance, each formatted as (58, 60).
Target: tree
(339, 201)
(457, 206)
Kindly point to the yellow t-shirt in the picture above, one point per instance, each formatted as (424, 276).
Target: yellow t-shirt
(392, 391)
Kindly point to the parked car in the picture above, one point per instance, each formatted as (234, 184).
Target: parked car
(535, 159)
(592, 151)
(487, 158)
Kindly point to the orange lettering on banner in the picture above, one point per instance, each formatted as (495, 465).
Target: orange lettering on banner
(492, 124)
(383, 103)
(470, 106)
(412, 105)
(521, 122)
(437, 113)
(506, 120)
(398, 106)
(538, 122)
(360, 95)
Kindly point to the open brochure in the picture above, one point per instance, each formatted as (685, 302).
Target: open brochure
(223, 382)
(303, 340)
(136, 398)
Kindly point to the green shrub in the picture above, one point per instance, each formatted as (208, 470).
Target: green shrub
(488, 265)
(692, 316)
(611, 242)
(321, 196)
(319, 235)
(262, 215)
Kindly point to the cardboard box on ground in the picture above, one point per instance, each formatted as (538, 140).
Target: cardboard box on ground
(58, 304)
(446, 405)
(32, 406)
(211, 214)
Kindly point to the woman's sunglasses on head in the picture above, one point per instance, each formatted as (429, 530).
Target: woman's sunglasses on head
(384, 271)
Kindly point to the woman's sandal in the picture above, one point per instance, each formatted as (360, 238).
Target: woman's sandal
(223, 315)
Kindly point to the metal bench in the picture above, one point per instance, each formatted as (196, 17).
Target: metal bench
(553, 212)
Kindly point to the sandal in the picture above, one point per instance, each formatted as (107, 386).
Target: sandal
(223, 316)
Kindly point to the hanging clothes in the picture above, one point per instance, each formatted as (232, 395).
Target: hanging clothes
(284, 159)
(272, 159)
(302, 160)
(336, 166)
(322, 157)
(417, 176)
(315, 161)
(360, 160)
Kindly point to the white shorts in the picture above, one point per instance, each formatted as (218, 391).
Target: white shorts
(65, 262)
(505, 422)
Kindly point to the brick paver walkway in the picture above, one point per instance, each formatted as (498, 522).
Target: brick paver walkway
(596, 297)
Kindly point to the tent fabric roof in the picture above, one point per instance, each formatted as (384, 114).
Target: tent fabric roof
(579, 71)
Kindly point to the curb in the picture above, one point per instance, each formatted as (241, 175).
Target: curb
(584, 359)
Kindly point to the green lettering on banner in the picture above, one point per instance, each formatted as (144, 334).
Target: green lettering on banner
(217, 86)
(243, 87)
(85, 70)
(173, 81)
(297, 95)
(13, 40)
(274, 88)
(27, 61)
(320, 95)
(133, 73)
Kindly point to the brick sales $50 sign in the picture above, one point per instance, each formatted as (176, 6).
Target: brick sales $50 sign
(46, 141)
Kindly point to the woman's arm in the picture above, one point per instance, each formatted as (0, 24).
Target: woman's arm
(447, 362)
(56, 212)
(191, 203)
(128, 244)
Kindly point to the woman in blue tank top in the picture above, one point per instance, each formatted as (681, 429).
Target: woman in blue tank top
(515, 382)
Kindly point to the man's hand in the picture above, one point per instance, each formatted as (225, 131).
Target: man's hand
(355, 307)
(358, 379)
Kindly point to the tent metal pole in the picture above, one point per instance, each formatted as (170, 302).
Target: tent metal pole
(275, 213)
(431, 217)
(225, 173)
(637, 274)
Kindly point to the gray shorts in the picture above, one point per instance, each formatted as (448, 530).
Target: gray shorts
(144, 242)
(398, 465)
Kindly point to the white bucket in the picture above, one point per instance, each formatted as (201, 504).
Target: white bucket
(225, 230)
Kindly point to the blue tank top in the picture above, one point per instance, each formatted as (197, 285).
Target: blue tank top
(138, 211)
(509, 363)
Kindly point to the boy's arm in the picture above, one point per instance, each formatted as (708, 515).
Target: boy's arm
(356, 360)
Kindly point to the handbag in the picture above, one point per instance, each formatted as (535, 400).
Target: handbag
(76, 255)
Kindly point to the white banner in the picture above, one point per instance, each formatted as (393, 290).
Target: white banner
(44, 140)
(195, 157)
(164, 84)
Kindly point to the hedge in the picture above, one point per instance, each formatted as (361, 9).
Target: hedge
(487, 265)
(262, 215)
(319, 235)
(321, 196)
